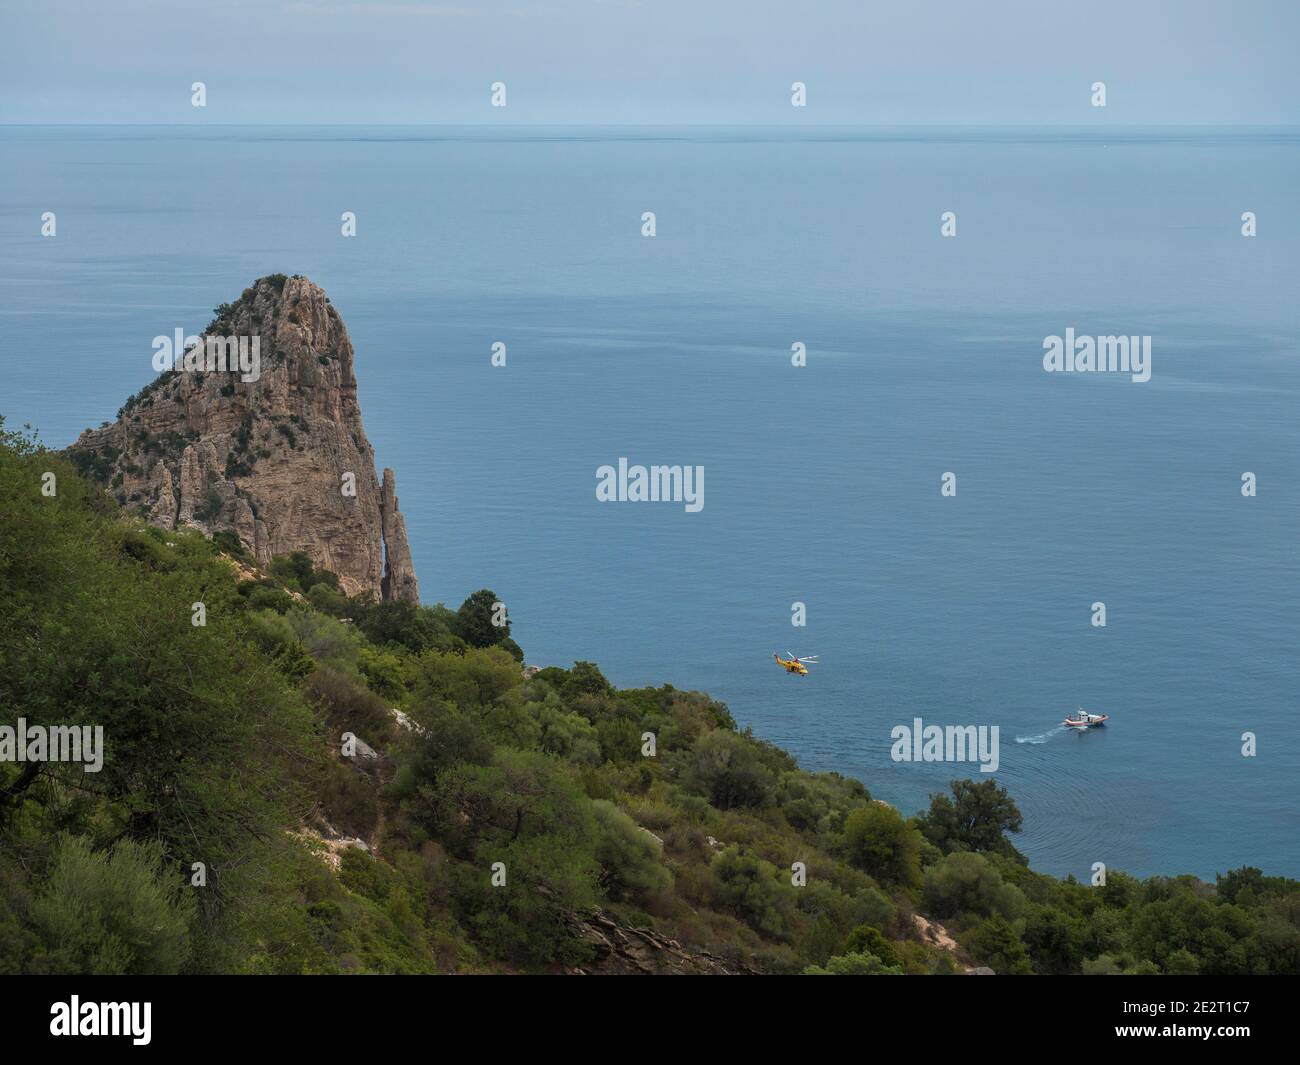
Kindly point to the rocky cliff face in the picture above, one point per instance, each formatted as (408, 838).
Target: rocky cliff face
(281, 461)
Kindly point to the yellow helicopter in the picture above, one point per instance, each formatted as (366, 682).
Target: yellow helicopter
(795, 665)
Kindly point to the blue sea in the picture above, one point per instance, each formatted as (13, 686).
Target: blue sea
(822, 482)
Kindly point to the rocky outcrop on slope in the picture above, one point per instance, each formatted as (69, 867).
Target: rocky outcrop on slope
(282, 461)
(623, 951)
(399, 579)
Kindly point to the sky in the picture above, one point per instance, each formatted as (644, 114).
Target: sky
(571, 62)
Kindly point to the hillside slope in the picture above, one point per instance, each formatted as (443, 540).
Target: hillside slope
(311, 782)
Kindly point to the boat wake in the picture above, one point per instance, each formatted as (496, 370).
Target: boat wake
(1042, 737)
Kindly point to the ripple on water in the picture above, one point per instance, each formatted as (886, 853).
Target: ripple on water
(1074, 820)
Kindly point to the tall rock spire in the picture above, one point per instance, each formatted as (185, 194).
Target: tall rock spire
(399, 571)
(282, 461)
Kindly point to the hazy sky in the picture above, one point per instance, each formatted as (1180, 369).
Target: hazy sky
(651, 61)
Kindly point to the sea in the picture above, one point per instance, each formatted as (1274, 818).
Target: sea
(823, 497)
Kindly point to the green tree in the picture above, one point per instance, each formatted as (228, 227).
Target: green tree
(207, 745)
(476, 620)
(879, 841)
(525, 815)
(585, 678)
(975, 818)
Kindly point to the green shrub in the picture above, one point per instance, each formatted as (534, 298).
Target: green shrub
(868, 940)
(629, 857)
(753, 890)
(228, 542)
(728, 770)
(996, 944)
(968, 883)
(854, 965)
(113, 913)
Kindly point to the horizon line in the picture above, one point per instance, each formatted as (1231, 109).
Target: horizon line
(674, 125)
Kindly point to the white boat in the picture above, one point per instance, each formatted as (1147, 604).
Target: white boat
(1082, 719)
